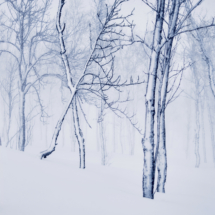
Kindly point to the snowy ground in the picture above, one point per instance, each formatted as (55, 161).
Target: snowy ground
(56, 186)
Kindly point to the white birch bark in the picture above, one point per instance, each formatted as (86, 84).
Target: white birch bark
(211, 83)
(10, 106)
(76, 132)
(211, 121)
(101, 12)
(8, 94)
(202, 102)
(111, 16)
(162, 154)
(148, 140)
(188, 130)
(102, 136)
(159, 112)
(58, 127)
(197, 115)
(197, 131)
(98, 134)
(132, 144)
(22, 134)
(197, 95)
(73, 139)
(72, 88)
(79, 136)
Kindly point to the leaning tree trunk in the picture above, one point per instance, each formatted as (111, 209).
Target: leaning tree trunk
(73, 88)
(53, 145)
(22, 134)
(148, 140)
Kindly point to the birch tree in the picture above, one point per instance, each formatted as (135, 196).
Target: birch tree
(148, 139)
(101, 16)
(198, 38)
(96, 83)
(9, 95)
(202, 104)
(175, 28)
(197, 116)
(27, 32)
(162, 158)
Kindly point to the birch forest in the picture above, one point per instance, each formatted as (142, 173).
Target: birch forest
(106, 107)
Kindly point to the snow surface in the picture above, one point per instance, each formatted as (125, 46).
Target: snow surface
(56, 186)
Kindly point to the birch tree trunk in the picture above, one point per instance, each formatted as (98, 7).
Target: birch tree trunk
(80, 136)
(159, 113)
(203, 129)
(73, 139)
(103, 145)
(53, 144)
(11, 97)
(211, 130)
(197, 112)
(71, 86)
(9, 115)
(132, 127)
(76, 132)
(188, 129)
(101, 11)
(162, 154)
(22, 135)
(148, 140)
(162, 157)
(102, 136)
(197, 126)
(197, 130)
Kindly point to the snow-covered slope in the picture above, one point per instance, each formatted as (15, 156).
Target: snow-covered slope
(55, 186)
